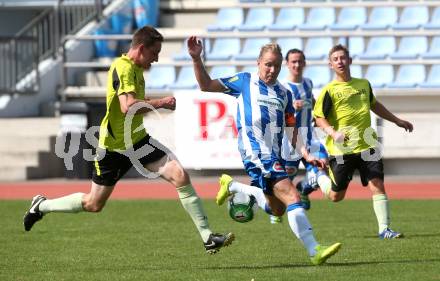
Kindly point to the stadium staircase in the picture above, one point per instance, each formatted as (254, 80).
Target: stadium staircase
(26, 149)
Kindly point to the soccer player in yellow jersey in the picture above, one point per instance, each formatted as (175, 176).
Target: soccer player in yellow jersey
(123, 143)
(342, 110)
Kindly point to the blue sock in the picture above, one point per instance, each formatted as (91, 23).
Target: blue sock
(267, 209)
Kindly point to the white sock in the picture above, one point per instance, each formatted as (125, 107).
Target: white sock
(382, 211)
(193, 206)
(300, 225)
(250, 190)
(325, 184)
(68, 204)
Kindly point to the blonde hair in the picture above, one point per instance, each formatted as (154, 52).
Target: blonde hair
(271, 47)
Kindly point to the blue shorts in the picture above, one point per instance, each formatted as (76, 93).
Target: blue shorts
(274, 171)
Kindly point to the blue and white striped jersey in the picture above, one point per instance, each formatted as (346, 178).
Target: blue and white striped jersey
(260, 117)
(304, 117)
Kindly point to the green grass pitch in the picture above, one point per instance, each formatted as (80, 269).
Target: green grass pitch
(155, 240)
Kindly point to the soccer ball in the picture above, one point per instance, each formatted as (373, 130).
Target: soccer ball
(242, 207)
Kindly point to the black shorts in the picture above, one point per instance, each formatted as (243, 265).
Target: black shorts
(108, 170)
(342, 173)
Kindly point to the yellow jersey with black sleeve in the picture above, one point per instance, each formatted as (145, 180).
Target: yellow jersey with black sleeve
(123, 77)
(346, 106)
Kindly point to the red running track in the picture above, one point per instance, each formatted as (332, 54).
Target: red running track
(206, 188)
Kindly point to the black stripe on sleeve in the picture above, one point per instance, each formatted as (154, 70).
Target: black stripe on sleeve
(116, 82)
(371, 92)
(327, 104)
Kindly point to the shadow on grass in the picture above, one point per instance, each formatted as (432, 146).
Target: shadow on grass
(411, 235)
(335, 264)
(384, 262)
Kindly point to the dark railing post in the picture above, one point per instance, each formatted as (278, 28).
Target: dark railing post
(36, 59)
(63, 75)
(98, 5)
(57, 26)
(14, 64)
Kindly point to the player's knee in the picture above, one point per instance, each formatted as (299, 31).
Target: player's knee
(291, 196)
(179, 175)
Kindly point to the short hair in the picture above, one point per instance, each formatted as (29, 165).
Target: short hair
(338, 47)
(295, 51)
(146, 36)
(271, 47)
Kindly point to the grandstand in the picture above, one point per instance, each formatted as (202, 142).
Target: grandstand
(55, 54)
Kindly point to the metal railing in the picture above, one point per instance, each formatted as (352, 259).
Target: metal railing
(40, 39)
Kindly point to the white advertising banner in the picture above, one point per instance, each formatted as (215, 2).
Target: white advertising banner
(205, 130)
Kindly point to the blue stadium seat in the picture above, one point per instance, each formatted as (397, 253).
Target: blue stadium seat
(257, 19)
(185, 79)
(433, 80)
(288, 19)
(160, 76)
(282, 76)
(227, 19)
(380, 75)
(183, 54)
(356, 71)
(356, 45)
(224, 49)
(288, 43)
(251, 48)
(350, 18)
(318, 19)
(379, 48)
(219, 71)
(381, 18)
(317, 47)
(434, 23)
(409, 76)
(434, 49)
(412, 17)
(319, 74)
(250, 68)
(410, 47)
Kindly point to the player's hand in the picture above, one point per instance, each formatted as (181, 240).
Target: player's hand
(320, 163)
(169, 103)
(405, 124)
(339, 137)
(195, 47)
(290, 119)
(298, 104)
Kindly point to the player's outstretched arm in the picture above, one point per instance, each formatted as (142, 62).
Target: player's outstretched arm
(166, 103)
(205, 82)
(380, 110)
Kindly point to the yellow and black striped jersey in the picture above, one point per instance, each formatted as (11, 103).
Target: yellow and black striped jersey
(123, 77)
(346, 106)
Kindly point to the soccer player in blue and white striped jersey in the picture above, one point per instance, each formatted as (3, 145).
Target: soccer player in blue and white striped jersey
(303, 101)
(264, 109)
